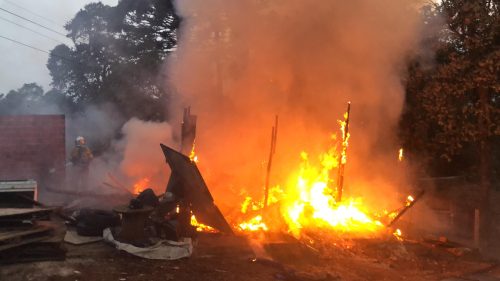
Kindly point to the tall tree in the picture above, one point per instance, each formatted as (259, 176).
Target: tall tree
(30, 99)
(117, 56)
(455, 105)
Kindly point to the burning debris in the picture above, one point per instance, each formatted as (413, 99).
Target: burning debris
(314, 199)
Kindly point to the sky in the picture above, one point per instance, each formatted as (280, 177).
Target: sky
(20, 64)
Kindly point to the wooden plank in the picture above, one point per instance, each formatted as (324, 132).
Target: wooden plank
(8, 212)
(23, 242)
(7, 235)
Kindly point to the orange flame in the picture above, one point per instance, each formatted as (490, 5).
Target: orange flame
(398, 234)
(201, 227)
(254, 224)
(409, 200)
(192, 155)
(345, 138)
(141, 185)
(400, 155)
(308, 202)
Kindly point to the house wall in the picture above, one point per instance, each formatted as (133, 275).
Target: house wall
(33, 147)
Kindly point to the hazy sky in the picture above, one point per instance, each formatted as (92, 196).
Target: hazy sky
(20, 64)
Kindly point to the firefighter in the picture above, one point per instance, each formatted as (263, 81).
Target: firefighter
(81, 156)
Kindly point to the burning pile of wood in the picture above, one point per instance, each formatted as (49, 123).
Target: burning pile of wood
(315, 201)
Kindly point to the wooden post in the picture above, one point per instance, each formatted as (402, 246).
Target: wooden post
(188, 135)
(188, 131)
(274, 132)
(345, 135)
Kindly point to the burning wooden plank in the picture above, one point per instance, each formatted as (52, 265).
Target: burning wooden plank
(410, 201)
(343, 155)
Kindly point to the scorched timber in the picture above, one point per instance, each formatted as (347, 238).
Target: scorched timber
(194, 190)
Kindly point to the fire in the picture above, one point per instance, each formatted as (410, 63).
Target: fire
(345, 138)
(409, 200)
(141, 185)
(201, 227)
(398, 234)
(254, 224)
(309, 202)
(192, 155)
(400, 155)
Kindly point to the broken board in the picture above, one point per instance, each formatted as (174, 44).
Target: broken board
(195, 191)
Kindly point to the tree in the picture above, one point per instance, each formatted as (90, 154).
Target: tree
(455, 104)
(117, 57)
(30, 99)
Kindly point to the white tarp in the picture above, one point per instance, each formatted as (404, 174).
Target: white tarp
(163, 250)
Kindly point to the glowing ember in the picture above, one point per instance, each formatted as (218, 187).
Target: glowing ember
(398, 234)
(400, 155)
(409, 200)
(141, 185)
(254, 224)
(201, 227)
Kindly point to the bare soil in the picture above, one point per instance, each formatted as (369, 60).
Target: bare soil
(219, 257)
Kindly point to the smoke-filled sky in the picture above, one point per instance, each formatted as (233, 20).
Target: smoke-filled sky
(20, 64)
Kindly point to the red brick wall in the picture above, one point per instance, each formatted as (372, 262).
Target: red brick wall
(33, 147)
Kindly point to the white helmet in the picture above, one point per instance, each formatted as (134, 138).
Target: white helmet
(80, 139)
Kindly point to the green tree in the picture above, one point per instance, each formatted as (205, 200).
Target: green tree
(117, 56)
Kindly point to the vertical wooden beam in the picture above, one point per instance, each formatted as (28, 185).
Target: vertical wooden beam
(274, 133)
(340, 177)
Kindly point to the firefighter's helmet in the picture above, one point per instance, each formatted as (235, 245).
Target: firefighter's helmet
(80, 140)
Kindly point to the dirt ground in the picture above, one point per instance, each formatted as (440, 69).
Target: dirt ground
(219, 257)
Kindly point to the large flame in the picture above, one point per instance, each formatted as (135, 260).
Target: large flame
(308, 201)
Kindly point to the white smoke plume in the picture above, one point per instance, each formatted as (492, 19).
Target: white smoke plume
(136, 156)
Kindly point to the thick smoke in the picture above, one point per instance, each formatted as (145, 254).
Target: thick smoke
(239, 63)
(135, 156)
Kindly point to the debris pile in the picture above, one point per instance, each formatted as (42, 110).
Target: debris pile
(30, 234)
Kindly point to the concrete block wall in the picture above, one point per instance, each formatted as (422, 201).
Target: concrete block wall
(33, 147)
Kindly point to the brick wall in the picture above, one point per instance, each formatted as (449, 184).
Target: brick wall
(33, 147)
